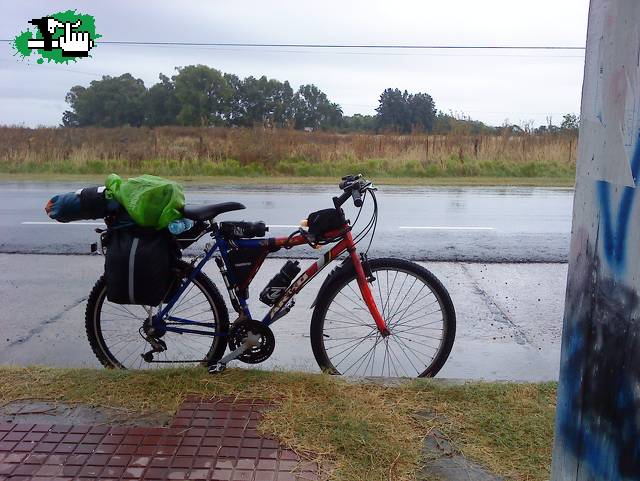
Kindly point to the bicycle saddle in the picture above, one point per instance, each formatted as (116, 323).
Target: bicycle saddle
(209, 211)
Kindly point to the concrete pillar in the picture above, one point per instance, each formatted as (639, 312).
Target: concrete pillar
(598, 416)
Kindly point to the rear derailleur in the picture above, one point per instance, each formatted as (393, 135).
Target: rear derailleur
(149, 334)
(250, 341)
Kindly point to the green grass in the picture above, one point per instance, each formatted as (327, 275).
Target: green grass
(373, 168)
(356, 431)
(506, 427)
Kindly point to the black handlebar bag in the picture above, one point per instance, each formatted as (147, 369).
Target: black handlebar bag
(138, 265)
(325, 220)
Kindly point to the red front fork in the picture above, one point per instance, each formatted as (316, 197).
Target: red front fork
(365, 290)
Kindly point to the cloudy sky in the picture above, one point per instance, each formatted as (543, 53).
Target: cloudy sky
(488, 85)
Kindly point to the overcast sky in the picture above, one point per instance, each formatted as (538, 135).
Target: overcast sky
(487, 85)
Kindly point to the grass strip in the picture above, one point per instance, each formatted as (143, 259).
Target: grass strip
(360, 430)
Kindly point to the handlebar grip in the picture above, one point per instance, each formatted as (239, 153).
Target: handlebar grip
(357, 197)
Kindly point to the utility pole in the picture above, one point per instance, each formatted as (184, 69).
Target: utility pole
(598, 416)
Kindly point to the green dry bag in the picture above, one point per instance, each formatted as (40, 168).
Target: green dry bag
(150, 201)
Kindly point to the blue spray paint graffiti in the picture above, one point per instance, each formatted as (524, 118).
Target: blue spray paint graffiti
(598, 404)
(615, 239)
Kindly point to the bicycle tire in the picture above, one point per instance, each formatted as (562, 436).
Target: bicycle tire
(202, 281)
(343, 277)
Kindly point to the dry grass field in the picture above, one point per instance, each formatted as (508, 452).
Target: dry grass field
(183, 151)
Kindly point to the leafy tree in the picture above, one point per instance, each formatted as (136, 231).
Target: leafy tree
(204, 95)
(570, 122)
(393, 113)
(161, 103)
(423, 111)
(313, 109)
(264, 101)
(109, 102)
(404, 112)
(283, 105)
(74, 98)
(234, 108)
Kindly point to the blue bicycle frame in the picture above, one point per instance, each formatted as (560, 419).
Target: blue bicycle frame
(222, 245)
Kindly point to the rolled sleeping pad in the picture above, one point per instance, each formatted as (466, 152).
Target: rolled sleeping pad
(83, 204)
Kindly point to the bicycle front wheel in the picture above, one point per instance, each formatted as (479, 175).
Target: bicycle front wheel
(414, 304)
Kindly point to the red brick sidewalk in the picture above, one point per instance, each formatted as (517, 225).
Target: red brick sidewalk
(207, 440)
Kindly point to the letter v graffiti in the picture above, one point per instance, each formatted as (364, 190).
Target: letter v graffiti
(615, 236)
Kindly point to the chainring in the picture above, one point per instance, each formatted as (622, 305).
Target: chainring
(265, 344)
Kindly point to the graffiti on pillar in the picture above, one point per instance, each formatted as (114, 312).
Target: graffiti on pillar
(605, 438)
(614, 218)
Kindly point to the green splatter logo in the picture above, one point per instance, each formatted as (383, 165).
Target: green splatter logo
(60, 37)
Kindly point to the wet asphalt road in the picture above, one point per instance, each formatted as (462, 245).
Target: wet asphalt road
(473, 224)
(509, 316)
(507, 280)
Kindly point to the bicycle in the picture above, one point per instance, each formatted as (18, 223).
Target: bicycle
(371, 317)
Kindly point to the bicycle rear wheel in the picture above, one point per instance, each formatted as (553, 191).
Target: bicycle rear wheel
(114, 330)
(418, 312)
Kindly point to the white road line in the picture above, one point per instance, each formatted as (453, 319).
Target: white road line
(61, 223)
(284, 226)
(287, 226)
(446, 228)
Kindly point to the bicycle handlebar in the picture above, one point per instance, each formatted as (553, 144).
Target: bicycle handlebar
(353, 186)
(347, 180)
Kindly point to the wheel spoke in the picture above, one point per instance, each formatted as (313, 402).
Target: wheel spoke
(403, 299)
(406, 276)
(415, 311)
(395, 369)
(352, 348)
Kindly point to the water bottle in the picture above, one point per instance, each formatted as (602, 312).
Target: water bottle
(276, 287)
(179, 226)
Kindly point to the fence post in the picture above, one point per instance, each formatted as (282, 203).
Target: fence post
(597, 434)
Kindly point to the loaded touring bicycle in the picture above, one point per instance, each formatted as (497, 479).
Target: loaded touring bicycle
(371, 317)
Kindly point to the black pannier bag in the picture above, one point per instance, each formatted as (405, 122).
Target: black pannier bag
(138, 265)
(323, 221)
(84, 204)
(241, 229)
(243, 262)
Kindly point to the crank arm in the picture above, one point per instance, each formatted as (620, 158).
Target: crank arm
(236, 353)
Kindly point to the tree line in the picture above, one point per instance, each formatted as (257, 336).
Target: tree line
(198, 95)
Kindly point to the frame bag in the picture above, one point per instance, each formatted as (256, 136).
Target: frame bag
(138, 265)
(243, 262)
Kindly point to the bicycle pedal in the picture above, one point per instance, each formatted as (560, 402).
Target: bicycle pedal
(217, 368)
